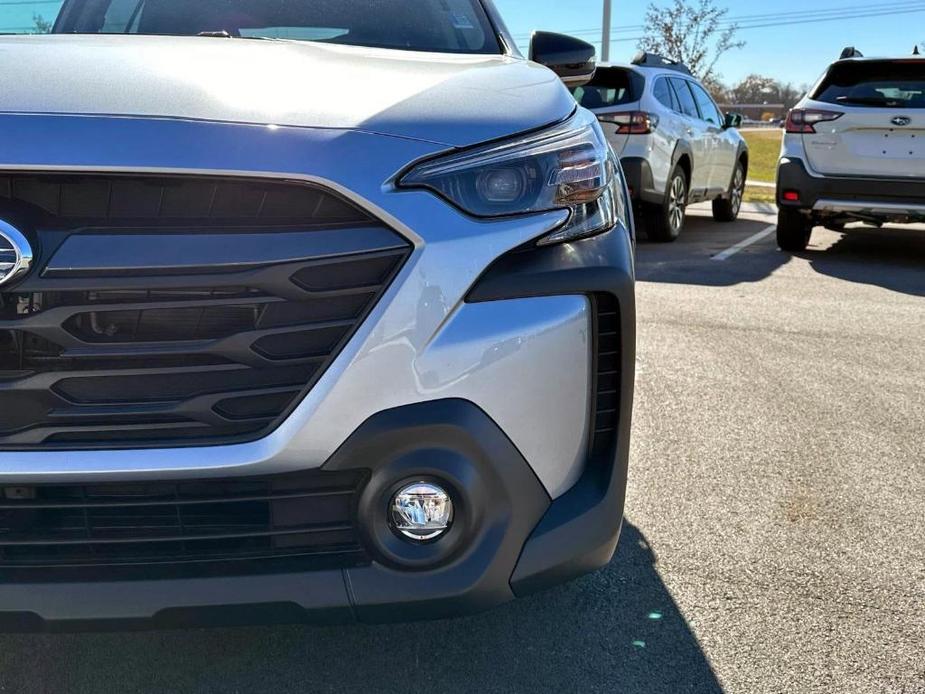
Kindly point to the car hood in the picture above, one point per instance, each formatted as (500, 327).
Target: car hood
(455, 100)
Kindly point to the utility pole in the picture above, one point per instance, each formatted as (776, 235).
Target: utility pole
(605, 36)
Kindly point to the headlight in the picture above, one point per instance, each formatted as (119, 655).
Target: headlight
(569, 166)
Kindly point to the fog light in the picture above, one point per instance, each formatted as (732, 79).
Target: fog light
(421, 511)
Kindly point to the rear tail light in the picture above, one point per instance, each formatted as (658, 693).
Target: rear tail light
(805, 120)
(631, 122)
(791, 196)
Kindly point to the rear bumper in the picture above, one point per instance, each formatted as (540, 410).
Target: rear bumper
(861, 198)
(639, 179)
(509, 539)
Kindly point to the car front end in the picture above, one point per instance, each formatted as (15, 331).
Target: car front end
(256, 364)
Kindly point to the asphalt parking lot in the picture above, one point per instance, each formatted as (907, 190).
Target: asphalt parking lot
(775, 537)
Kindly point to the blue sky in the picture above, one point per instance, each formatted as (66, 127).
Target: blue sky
(796, 52)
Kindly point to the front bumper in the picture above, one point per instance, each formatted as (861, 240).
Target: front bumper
(514, 539)
(476, 366)
(850, 197)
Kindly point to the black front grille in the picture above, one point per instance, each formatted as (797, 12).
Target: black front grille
(116, 340)
(97, 199)
(305, 516)
(606, 405)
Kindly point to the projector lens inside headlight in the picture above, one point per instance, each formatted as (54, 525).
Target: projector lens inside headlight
(569, 166)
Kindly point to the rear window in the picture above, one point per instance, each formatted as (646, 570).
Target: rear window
(886, 84)
(610, 87)
(443, 26)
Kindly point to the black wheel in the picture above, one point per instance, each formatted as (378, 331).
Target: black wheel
(793, 230)
(727, 209)
(664, 222)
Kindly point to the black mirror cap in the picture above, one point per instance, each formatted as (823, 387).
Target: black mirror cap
(733, 120)
(570, 58)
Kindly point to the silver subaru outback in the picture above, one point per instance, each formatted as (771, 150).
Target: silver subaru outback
(309, 310)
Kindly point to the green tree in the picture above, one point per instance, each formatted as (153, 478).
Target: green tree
(695, 32)
(760, 89)
(41, 25)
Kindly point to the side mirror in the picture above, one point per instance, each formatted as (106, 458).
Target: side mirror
(570, 58)
(733, 120)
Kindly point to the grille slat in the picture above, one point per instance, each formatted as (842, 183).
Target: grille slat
(228, 346)
(128, 504)
(124, 344)
(175, 200)
(220, 534)
(296, 515)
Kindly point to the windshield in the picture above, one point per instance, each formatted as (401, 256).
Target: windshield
(888, 84)
(445, 26)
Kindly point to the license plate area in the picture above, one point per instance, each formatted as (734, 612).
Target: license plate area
(889, 144)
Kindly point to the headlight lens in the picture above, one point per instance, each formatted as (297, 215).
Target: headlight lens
(569, 166)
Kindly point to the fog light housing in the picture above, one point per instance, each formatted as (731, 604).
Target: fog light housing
(421, 511)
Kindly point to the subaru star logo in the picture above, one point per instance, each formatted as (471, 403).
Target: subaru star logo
(15, 253)
(901, 121)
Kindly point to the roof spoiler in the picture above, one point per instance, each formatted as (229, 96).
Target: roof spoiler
(850, 52)
(643, 59)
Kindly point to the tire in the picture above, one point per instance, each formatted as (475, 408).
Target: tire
(727, 209)
(664, 222)
(793, 230)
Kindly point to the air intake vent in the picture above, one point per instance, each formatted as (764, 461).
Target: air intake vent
(607, 357)
(171, 331)
(306, 516)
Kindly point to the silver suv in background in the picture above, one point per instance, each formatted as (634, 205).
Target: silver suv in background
(675, 144)
(854, 150)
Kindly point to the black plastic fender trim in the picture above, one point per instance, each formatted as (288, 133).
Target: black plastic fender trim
(579, 532)
(498, 502)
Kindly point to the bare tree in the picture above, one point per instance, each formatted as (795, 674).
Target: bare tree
(692, 31)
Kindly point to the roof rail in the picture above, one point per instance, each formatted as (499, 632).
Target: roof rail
(643, 59)
(850, 52)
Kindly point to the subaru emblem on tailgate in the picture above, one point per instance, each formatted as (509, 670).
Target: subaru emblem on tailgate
(15, 253)
(901, 121)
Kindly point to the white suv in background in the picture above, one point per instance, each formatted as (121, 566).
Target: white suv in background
(675, 144)
(854, 149)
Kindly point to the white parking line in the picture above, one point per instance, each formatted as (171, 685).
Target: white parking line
(729, 252)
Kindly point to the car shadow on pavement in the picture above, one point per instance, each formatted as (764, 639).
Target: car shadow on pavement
(892, 258)
(618, 631)
(689, 260)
